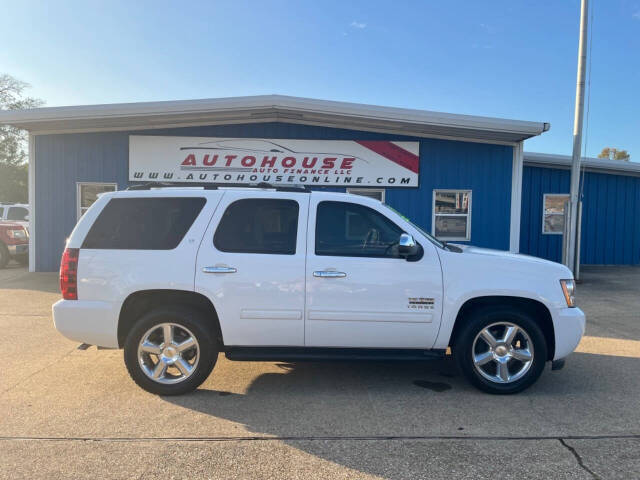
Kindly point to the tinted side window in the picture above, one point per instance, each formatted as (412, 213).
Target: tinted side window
(17, 213)
(143, 223)
(350, 230)
(258, 226)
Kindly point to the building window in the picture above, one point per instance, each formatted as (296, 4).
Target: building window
(553, 213)
(451, 215)
(88, 193)
(375, 193)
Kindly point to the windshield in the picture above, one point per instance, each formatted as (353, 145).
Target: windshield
(431, 238)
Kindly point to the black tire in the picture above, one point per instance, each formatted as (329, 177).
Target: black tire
(196, 324)
(483, 317)
(4, 255)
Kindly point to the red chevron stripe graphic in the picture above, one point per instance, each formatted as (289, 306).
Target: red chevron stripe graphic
(393, 152)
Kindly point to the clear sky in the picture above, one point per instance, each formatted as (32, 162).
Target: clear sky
(511, 59)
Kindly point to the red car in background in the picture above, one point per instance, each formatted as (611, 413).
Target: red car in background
(14, 243)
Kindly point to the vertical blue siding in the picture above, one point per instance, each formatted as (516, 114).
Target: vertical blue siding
(535, 183)
(610, 220)
(484, 169)
(63, 160)
(60, 162)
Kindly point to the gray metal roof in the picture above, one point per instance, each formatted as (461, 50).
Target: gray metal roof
(592, 164)
(270, 108)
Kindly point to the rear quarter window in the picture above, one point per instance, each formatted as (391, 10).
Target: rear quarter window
(158, 223)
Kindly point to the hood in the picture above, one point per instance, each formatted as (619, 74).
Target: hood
(516, 257)
(10, 224)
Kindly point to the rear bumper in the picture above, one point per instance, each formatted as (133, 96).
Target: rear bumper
(95, 323)
(22, 249)
(569, 325)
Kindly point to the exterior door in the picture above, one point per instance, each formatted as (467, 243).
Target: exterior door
(251, 266)
(360, 292)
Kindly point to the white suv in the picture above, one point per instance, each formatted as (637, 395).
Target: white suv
(177, 275)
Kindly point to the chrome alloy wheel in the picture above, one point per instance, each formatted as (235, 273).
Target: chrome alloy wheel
(502, 352)
(168, 353)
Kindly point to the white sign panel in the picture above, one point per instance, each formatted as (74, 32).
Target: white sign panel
(374, 163)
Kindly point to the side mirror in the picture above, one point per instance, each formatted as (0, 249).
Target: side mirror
(407, 246)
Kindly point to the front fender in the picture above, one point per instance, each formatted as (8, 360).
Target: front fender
(452, 306)
(467, 276)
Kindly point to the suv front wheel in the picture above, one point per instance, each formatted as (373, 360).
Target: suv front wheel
(170, 351)
(500, 350)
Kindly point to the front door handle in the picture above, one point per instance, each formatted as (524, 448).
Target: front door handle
(217, 269)
(329, 274)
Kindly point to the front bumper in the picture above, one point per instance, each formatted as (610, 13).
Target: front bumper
(568, 325)
(21, 249)
(95, 323)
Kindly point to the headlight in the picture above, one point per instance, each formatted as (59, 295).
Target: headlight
(17, 233)
(569, 290)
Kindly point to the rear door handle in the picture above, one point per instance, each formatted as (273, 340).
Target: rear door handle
(329, 274)
(219, 270)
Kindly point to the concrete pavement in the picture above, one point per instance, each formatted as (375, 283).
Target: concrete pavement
(76, 414)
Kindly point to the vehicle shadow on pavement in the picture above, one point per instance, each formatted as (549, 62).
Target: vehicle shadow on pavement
(312, 406)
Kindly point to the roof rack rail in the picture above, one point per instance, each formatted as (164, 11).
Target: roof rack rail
(284, 188)
(150, 185)
(216, 186)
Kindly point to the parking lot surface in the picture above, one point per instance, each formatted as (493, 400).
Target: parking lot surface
(69, 413)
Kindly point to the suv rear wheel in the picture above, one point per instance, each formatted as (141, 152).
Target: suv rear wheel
(170, 351)
(500, 350)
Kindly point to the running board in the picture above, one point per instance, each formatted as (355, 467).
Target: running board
(313, 354)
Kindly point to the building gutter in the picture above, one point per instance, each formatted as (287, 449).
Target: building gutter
(268, 108)
(602, 165)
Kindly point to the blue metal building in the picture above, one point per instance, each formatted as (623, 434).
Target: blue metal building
(471, 168)
(610, 226)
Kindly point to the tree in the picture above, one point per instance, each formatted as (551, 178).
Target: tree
(614, 154)
(13, 142)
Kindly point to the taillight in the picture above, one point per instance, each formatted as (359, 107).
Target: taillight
(69, 273)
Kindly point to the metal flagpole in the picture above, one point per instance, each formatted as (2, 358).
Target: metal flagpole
(570, 254)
